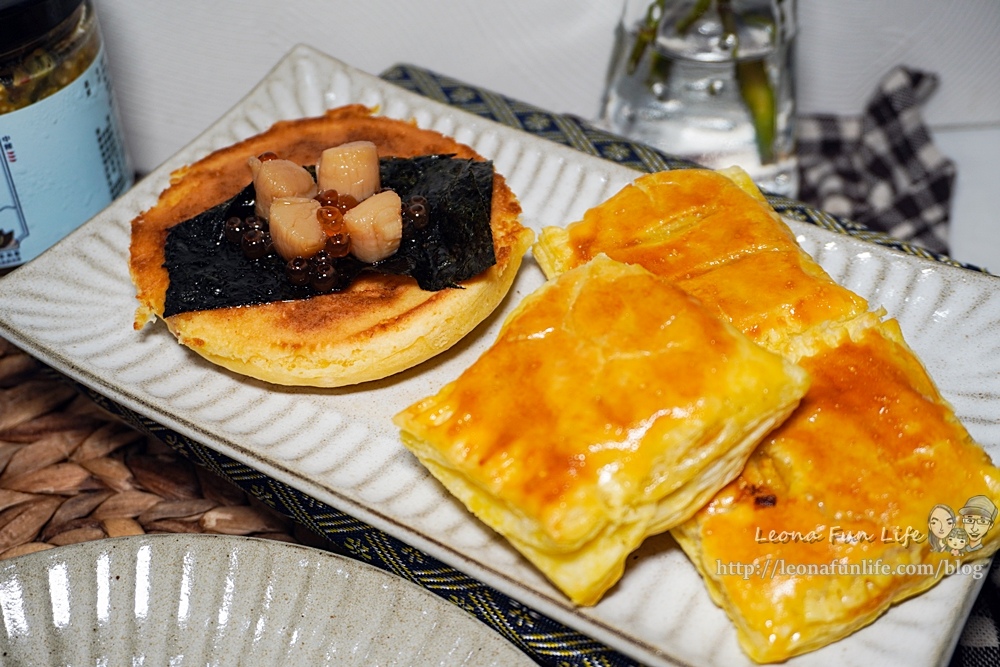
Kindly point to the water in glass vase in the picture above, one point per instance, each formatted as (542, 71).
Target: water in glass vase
(712, 83)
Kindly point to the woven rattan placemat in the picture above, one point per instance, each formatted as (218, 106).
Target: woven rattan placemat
(72, 472)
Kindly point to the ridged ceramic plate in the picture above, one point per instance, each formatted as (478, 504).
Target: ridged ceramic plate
(225, 601)
(73, 308)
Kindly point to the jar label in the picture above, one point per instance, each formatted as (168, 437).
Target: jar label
(63, 160)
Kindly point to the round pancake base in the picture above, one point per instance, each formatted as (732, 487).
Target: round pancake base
(379, 326)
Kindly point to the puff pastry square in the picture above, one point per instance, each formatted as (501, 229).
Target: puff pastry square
(716, 237)
(830, 522)
(834, 506)
(611, 407)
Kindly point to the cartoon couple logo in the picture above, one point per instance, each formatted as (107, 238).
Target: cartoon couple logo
(963, 533)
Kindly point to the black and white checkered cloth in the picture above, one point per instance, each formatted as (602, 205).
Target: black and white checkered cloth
(881, 169)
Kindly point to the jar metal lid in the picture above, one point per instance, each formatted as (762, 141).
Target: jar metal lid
(22, 21)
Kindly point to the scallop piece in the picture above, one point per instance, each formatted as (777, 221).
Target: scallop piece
(350, 169)
(375, 226)
(295, 229)
(273, 179)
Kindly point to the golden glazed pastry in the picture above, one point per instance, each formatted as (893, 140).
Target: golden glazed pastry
(856, 475)
(610, 408)
(380, 325)
(718, 239)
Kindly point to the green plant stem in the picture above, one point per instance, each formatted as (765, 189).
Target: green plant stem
(696, 12)
(646, 34)
(755, 88)
(659, 67)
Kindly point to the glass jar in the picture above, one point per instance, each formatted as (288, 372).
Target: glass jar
(708, 80)
(62, 153)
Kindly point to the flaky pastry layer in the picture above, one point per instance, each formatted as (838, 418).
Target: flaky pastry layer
(611, 407)
(855, 475)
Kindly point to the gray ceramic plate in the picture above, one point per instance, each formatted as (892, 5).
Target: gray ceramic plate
(73, 307)
(225, 601)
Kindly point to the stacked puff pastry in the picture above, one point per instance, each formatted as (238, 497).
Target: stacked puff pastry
(611, 407)
(863, 460)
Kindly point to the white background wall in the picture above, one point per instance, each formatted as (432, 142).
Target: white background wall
(178, 65)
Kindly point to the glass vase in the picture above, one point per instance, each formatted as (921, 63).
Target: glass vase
(711, 81)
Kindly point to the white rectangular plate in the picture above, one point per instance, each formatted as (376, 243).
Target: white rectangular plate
(73, 308)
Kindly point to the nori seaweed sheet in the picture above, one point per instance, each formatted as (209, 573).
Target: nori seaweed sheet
(207, 272)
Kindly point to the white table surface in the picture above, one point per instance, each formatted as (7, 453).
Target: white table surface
(178, 65)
